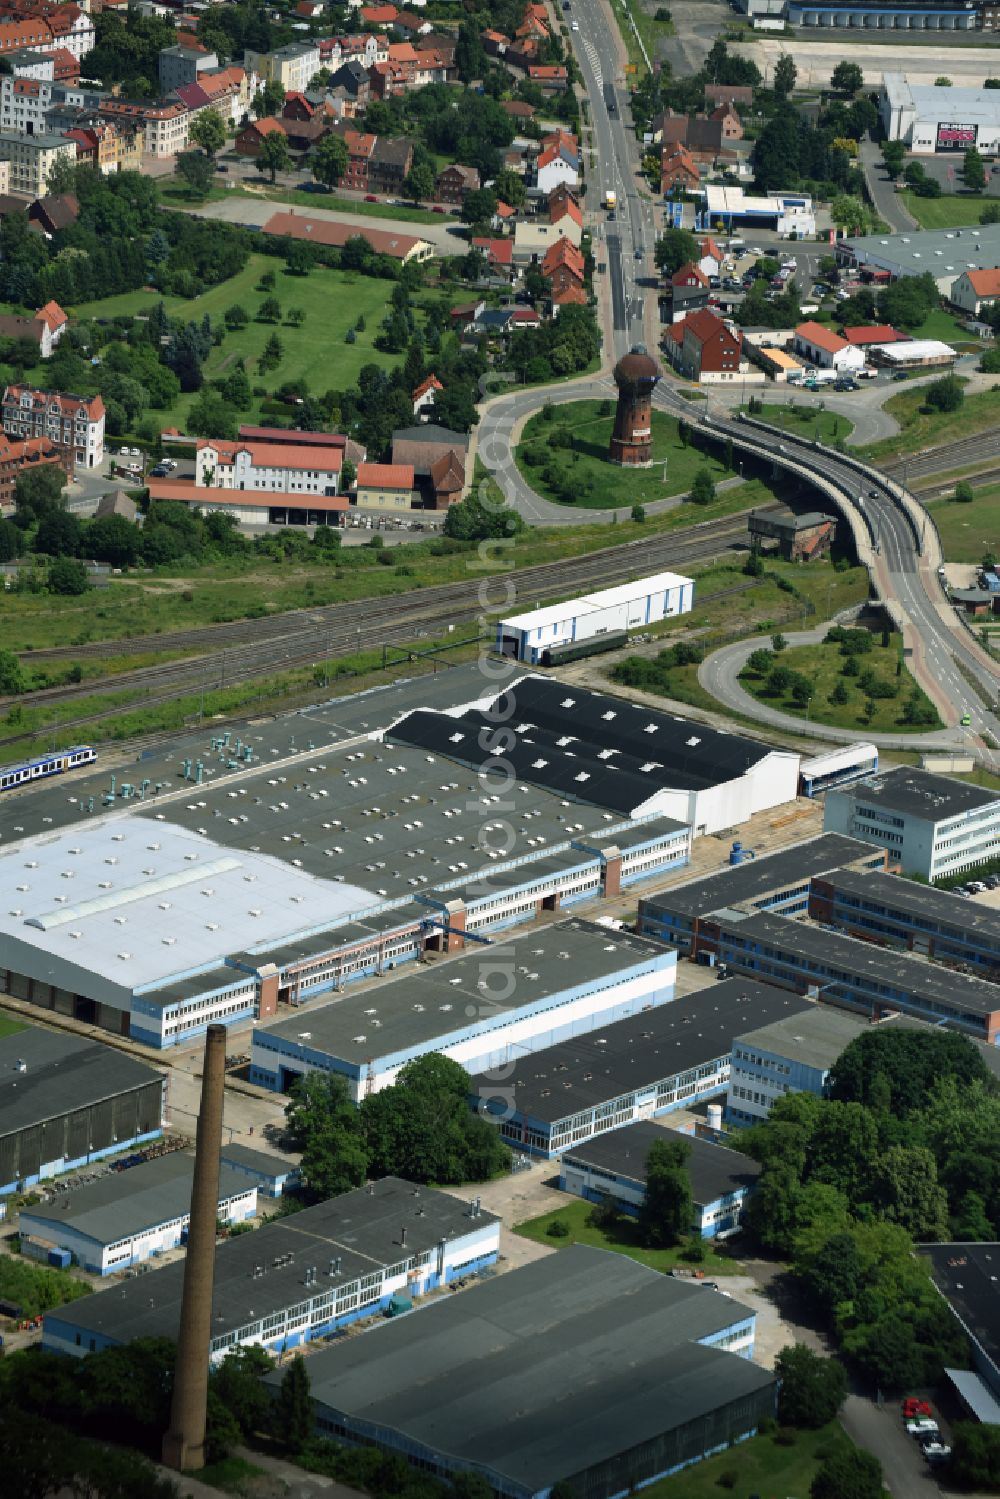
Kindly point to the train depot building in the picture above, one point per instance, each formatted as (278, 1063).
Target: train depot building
(299, 1278)
(584, 1367)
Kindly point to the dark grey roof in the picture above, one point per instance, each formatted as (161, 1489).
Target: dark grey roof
(130, 1202)
(851, 958)
(921, 793)
(392, 150)
(967, 1275)
(714, 1170)
(634, 1053)
(432, 432)
(816, 1037)
(617, 754)
(755, 879)
(63, 1073)
(431, 1001)
(257, 1160)
(964, 919)
(544, 1372)
(361, 1228)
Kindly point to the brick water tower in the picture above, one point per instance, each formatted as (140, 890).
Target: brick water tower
(636, 376)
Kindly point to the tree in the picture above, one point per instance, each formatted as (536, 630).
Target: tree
(946, 394)
(848, 1474)
(208, 131)
(58, 534)
(973, 171)
(196, 171)
(847, 78)
(905, 1190)
(236, 317)
(472, 520)
(849, 214)
(238, 1384)
(964, 493)
(942, 82)
(510, 189)
(913, 1063)
(272, 354)
(760, 662)
(666, 1213)
(324, 1125)
(329, 160)
(989, 363)
(893, 152)
(802, 690)
(479, 206)
(812, 1388)
(638, 513)
(703, 487)
(68, 575)
(779, 679)
(114, 540)
(975, 1461)
(840, 695)
(673, 249)
(38, 491)
(268, 99)
(785, 74)
(419, 183)
(213, 416)
(293, 1410)
(274, 155)
(422, 1127)
(778, 644)
(269, 310)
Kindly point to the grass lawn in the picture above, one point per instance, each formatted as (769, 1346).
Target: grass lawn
(822, 664)
(332, 301)
(969, 530)
(925, 429)
(950, 211)
(9, 1026)
(176, 194)
(231, 1474)
(573, 439)
(624, 1240)
(941, 324)
(762, 1466)
(800, 413)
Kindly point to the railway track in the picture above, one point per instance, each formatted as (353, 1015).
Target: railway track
(935, 488)
(949, 456)
(244, 651)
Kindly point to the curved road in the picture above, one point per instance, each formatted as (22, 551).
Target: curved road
(719, 674)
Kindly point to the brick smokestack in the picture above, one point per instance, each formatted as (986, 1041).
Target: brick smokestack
(184, 1442)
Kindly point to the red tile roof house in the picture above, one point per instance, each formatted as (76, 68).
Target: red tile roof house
(704, 348)
(678, 168)
(874, 336)
(423, 396)
(974, 290)
(551, 78)
(827, 349)
(499, 256)
(251, 137)
(563, 264)
(44, 328)
(384, 486)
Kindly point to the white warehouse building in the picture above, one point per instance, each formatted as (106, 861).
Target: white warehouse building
(611, 611)
(930, 119)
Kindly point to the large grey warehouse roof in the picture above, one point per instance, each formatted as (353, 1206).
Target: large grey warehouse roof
(544, 1372)
(714, 1170)
(361, 1229)
(61, 1074)
(960, 916)
(435, 999)
(921, 793)
(849, 956)
(127, 1202)
(755, 878)
(942, 252)
(966, 1274)
(816, 1037)
(586, 745)
(629, 1054)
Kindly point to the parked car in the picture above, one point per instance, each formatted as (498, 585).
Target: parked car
(921, 1426)
(936, 1452)
(371, 198)
(159, 472)
(901, 375)
(914, 1408)
(574, 26)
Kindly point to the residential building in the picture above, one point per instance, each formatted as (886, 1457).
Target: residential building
(351, 83)
(710, 259)
(611, 1168)
(499, 256)
(73, 423)
(933, 825)
(738, 95)
(689, 290)
(67, 1101)
(20, 453)
(678, 170)
(563, 265)
(28, 32)
(732, 126)
(655, 1061)
(551, 78)
(533, 238)
(345, 1260)
(701, 138)
(263, 466)
(384, 486)
(976, 291)
(389, 164)
(557, 164)
(455, 182)
(127, 1217)
(794, 1054)
(566, 215)
(32, 158)
(45, 328)
(165, 127)
(439, 459)
(603, 1333)
(820, 345)
(251, 138)
(54, 212)
(704, 348)
(293, 65)
(423, 396)
(180, 65)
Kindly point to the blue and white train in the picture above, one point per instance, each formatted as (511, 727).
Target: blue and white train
(46, 765)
